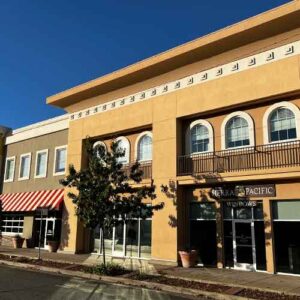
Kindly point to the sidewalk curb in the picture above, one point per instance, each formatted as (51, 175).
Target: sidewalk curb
(125, 281)
(234, 285)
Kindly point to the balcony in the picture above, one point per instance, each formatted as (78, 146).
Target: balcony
(146, 167)
(279, 155)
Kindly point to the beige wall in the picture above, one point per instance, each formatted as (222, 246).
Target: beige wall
(49, 141)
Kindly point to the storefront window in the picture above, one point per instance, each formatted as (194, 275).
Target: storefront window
(286, 225)
(12, 224)
(145, 238)
(203, 232)
(131, 240)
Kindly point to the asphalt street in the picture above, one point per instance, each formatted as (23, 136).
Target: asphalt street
(23, 284)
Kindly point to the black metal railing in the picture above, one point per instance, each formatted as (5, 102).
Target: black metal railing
(146, 167)
(279, 155)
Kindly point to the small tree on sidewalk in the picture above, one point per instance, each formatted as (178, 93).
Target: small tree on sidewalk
(106, 193)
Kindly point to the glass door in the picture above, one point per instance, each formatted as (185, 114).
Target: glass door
(244, 253)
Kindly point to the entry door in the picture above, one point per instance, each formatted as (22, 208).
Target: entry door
(244, 254)
(49, 232)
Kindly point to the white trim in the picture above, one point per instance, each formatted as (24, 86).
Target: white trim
(203, 76)
(100, 143)
(36, 163)
(127, 151)
(38, 129)
(55, 157)
(284, 104)
(250, 122)
(20, 166)
(149, 133)
(13, 158)
(188, 137)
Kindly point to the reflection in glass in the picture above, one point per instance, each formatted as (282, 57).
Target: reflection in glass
(145, 238)
(132, 242)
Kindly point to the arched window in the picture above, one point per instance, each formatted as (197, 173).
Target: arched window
(281, 122)
(199, 137)
(237, 131)
(144, 147)
(282, 125)
(99, 143)
(124, 145)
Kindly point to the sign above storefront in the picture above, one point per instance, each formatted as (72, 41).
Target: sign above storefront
(243, 191)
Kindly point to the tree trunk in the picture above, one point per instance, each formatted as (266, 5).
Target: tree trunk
(103, 247)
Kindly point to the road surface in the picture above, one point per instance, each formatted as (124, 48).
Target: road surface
(22, 284)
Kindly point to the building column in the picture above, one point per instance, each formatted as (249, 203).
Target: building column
(220, 236)
(269, 236)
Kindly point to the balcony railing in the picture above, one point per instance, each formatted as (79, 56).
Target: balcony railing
(279, 155)
(146, 167)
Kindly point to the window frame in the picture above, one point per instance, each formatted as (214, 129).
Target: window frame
(250, 122)
(127, 154)
(4, 219)
(188, 137)
(36, 163)
(266, 121)
(13, 158)
(55, 173)
(20, 166)
(136, 149)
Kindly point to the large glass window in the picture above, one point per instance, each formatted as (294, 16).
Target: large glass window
(203, 232)
(144, 151)
(12, 224)
(25, 161)
(60, 160)
(9, 169)
(286, 224)
(132, 239)
(237, 133)
(124, 145)
(282, 125)
(41, 163)
(199, 138)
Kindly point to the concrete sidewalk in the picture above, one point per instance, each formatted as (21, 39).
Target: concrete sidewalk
(257, 280)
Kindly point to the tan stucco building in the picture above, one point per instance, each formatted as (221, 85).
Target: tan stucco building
(216, 119)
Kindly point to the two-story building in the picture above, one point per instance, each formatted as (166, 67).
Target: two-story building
(218, 120)
(34, 160)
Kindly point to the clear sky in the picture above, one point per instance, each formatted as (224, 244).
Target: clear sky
(47, 46)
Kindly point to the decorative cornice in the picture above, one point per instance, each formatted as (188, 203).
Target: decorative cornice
(198, 78)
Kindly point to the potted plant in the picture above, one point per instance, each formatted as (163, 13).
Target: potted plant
(188, 257)
(18, 241)
(30, 243)
(53, 244)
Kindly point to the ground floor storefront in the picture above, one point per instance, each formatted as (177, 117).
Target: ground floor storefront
(251, 227)
(34, 217)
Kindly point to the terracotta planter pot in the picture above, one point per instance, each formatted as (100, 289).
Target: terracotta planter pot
(18, 242)
(53, 246)
(188, 258)
(29, 243)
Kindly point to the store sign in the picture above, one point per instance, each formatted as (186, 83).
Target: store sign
(240, 191)
(240, 204)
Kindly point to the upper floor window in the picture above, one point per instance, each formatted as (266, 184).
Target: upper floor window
(60, 160)
(124, 145)
(25, 161)
(199, 137)
(144, 147)
(9, 169)
(237, 131)
(282, 125)
(281, 122)
(41, 163)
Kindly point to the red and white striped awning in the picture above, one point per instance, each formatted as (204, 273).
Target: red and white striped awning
(29, 201)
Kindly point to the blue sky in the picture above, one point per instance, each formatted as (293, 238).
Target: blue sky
(50, 46)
